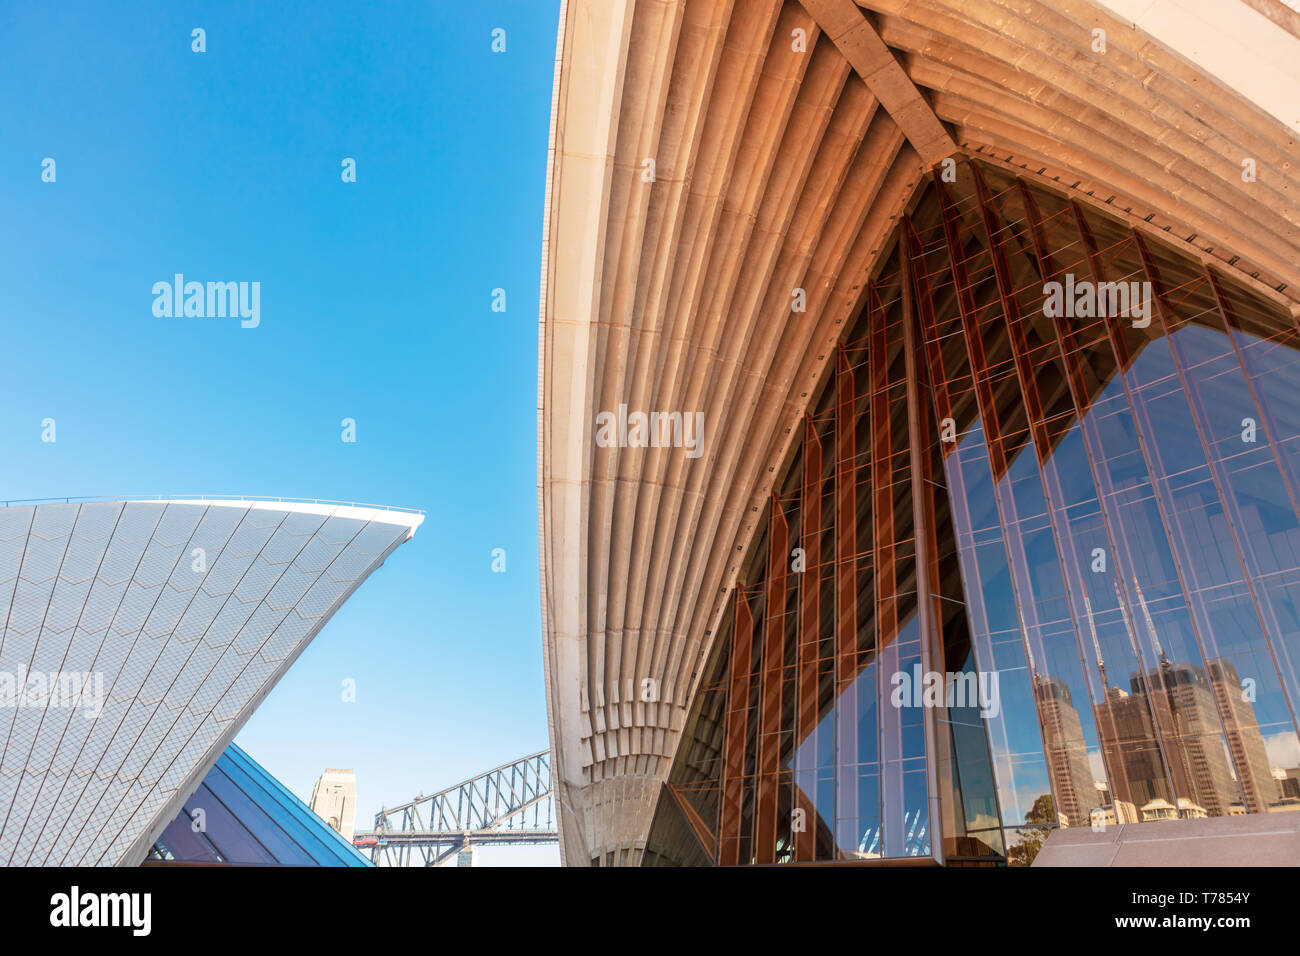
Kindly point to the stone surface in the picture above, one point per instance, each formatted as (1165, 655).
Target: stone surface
(1262, 839)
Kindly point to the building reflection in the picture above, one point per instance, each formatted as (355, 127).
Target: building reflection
(1196, 776)
(1073, 781)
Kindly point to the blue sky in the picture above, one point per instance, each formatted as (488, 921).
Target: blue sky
(375, 305)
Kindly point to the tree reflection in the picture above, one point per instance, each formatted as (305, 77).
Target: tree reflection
(1039, 819)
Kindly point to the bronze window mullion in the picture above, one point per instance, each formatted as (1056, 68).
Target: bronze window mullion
(810, 587)
(733, 773)
(769, 737)
(846, 599)
(926, 546)
(891, 813)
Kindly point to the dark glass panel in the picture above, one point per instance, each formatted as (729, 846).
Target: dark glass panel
(184, 839)
(253, 820)
(234, 841)
(249, 817)
(285, 812)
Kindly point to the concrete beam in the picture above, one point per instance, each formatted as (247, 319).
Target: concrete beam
(861, 45)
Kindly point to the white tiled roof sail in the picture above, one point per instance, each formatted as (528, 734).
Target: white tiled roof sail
(186, 642)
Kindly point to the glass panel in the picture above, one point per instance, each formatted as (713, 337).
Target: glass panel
(1060, 463)
(250, 817)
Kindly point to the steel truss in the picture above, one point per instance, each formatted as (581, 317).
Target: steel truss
(510, 804)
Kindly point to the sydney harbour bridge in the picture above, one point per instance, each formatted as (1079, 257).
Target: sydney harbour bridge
(508, 805)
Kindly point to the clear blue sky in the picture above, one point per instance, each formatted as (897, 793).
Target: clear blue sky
(375, 305)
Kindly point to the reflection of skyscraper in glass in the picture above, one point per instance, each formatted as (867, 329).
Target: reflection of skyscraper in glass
(1182, 700)
(1067, 754)
(1190, 711)
(1128, 744)
(1245, 742)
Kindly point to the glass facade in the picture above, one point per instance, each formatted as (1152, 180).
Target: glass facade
(1034, 561)
(241, 814)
